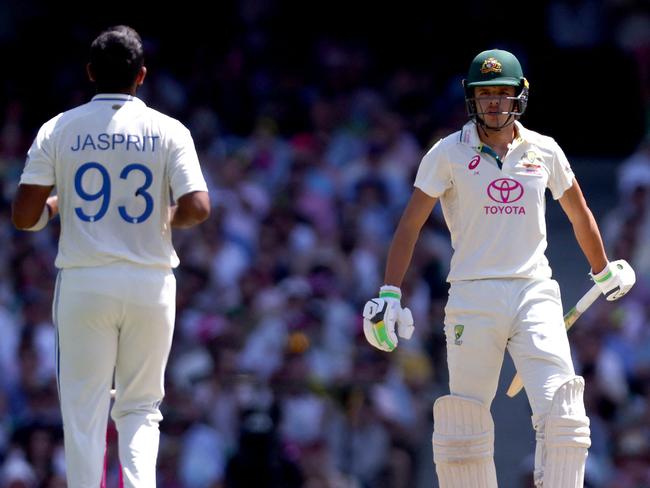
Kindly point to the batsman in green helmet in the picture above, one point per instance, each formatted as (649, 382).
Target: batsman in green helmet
(491, 178)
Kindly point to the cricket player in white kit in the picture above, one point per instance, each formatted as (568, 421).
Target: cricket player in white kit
(114, 163)
(491, 178)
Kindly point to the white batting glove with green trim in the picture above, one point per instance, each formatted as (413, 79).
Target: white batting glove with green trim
(615, 280)
(381, 315)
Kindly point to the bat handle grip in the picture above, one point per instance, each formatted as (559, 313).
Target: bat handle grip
(590, 297)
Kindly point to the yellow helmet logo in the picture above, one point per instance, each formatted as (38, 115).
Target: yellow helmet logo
(491, 65)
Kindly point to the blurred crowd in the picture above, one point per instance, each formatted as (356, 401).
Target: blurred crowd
(270, 378)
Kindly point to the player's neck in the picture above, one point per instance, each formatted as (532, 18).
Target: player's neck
(497, 138)
(128, 91)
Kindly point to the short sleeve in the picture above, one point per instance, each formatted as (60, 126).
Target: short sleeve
(39, 167)
(561, 177)
(434, 173)
(185, 174)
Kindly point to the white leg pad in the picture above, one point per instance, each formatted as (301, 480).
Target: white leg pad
(463, 443)
(566, 438)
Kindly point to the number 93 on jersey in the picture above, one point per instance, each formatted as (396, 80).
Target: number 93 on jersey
(92, 183)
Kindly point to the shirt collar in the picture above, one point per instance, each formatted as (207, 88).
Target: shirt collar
(116, 97)
(469, 134)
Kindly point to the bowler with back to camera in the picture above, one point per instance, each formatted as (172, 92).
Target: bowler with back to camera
(114, 163)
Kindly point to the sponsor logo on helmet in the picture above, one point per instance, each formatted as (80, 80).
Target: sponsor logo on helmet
(491, 65)
(505, 191)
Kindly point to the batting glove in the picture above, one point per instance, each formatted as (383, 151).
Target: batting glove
(381, 315)
(615, 280)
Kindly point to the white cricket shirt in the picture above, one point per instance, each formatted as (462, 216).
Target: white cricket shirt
(114, 163)
(496, 217)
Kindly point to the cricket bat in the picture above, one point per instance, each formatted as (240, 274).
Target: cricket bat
(569, 319)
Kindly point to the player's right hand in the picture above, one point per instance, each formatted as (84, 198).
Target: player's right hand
(381, 316)
(615, 280)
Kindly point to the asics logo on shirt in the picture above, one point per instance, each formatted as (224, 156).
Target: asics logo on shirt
(474, 162)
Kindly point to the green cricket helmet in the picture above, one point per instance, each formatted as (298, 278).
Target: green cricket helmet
(496, 68)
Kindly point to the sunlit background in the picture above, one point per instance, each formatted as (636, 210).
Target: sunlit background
(310, 119)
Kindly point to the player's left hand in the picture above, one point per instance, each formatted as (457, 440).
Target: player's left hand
(381, 317)
(615, 280)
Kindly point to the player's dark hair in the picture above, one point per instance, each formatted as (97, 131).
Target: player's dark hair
(116, 56)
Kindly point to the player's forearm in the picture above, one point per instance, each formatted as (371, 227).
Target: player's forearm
(400, 254)
(590, 241)
(191, 209)
(31, 207)
(183, 218)
(408, 230)
(584, 226)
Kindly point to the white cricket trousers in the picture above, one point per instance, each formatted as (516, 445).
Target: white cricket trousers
(112, 320)
(483, 318)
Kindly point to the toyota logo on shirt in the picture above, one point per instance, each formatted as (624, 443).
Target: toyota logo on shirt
(505, 190)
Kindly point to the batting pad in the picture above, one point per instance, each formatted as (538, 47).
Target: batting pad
(463, 443)
(566, 437)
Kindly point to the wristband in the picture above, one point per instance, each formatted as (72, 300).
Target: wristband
(42, 220)
(603, 276)
(390, 291)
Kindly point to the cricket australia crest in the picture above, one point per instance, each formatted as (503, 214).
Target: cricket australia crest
(491, 65)
(458, 332)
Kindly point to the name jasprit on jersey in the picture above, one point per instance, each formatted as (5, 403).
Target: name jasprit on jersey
(111, 142)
